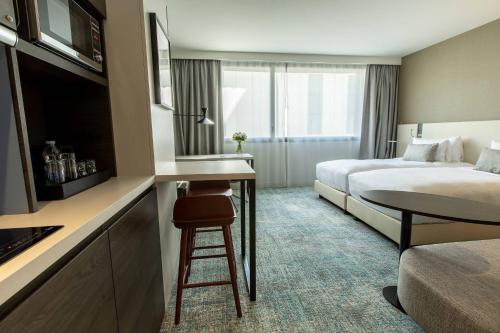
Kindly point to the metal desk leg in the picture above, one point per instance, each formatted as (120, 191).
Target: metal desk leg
(242, 217)
(391, 293)
(252, 236)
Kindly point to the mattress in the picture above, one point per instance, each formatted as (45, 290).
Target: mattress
(462, 182)
(335, 173)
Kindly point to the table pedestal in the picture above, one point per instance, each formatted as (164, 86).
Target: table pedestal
(391, 295)
(391, 292)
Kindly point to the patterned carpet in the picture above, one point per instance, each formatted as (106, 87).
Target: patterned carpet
(318, 271)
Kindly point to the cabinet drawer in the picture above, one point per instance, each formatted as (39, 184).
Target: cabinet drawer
(78, 298)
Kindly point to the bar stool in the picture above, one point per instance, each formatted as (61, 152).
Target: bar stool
(200, 188)
(191, 213)
(209, 187)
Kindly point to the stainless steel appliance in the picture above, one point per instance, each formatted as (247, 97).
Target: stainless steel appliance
(64, 26)
(7, 36)
(14, 241)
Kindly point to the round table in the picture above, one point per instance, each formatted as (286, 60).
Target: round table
(431, 205)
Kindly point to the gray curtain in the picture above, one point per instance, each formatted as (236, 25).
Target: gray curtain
(380, 112)
(197, 84)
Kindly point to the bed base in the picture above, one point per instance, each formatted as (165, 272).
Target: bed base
(421, 233)
(336, 197)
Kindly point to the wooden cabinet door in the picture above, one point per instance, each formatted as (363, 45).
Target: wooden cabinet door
(136, 260)
(78, 298)
(8, 14)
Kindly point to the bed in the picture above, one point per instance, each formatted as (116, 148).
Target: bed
(475, 135)
(332, 176)
(461, 182)
(335, 173)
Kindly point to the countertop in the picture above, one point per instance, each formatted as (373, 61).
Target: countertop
(204, 170)
(215, 157)
(80, 215)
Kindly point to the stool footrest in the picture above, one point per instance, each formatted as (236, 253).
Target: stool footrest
(208, 256)
(208, 247)
(206, 284)
(208, 230)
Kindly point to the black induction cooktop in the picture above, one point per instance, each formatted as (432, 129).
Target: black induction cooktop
(14, 241)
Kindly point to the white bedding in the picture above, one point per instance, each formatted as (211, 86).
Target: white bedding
(335, 173)
(462, 182)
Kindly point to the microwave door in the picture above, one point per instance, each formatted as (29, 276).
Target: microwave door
(63, 25)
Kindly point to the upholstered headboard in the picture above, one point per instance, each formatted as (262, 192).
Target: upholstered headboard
(476, 135)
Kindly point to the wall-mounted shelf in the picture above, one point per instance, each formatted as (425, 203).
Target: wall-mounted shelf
(55, 99)
(58, 61)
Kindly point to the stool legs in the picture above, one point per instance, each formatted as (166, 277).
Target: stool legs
(185, 258)
(190, 250)
(228, 241)
(180, 278)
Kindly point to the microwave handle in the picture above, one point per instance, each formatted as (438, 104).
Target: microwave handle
(34, 20)
(7, 36)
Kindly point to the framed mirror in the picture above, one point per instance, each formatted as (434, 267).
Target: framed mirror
(162, 69)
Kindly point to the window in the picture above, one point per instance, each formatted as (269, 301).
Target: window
(246, 100)
(293, 100)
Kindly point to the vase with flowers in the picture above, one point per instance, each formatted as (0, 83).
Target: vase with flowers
(239, 137)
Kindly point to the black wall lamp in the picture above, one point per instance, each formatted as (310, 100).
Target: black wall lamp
(204, 120)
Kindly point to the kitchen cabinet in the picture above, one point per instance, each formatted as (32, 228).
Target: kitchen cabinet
(8, 15)
(137, 273)
(78, 298)
(114, 284)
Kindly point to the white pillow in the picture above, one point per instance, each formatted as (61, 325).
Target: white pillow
(456, 151)
(442, 149)
(495, 145)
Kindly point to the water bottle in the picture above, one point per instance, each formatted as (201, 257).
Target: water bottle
(53, 172)
(50, 150)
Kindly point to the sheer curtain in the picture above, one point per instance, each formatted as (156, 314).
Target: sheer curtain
(295, 115)
(249, 105)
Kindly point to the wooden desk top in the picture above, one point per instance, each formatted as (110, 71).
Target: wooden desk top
(204, 170)
(437, 206)
(214, 157)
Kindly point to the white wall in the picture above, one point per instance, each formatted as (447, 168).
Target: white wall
(164, 150)
(143, 132)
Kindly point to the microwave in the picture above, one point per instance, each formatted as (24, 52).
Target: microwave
(64, 26)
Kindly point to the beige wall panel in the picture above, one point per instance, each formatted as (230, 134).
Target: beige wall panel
(456, 80)
(129, 93)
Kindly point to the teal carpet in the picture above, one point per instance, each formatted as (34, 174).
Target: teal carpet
(318, 271)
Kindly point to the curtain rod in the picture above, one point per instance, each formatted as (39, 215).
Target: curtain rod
(284, 57)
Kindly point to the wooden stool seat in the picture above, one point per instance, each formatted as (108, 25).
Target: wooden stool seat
(210, 187)
(203, 212)
(211, 211)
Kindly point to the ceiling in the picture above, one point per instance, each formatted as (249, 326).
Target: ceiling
(329, 27)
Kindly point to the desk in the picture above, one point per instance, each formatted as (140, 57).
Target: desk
(217, 157)
(430, 205)
(223, 170)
